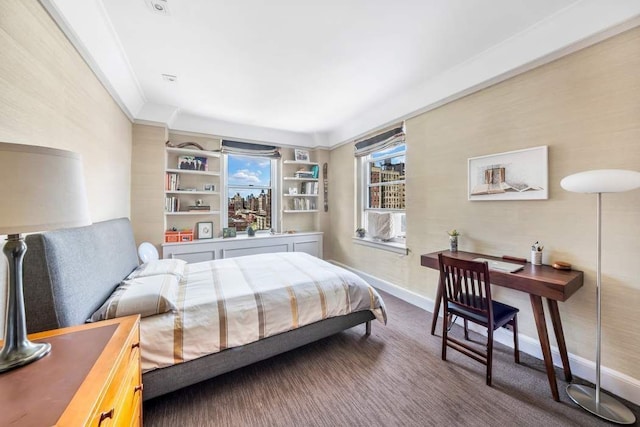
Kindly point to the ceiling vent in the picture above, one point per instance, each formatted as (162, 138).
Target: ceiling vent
(169, 78)
(159, 6)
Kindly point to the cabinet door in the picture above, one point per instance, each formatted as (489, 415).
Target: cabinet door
(230, 253)
(311, 247)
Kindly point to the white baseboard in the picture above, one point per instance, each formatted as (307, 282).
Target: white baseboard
(615, 382)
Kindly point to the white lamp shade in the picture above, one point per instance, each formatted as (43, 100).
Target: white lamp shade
(602, 181)
(41, 189)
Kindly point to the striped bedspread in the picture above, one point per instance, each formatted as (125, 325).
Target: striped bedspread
(231, 302)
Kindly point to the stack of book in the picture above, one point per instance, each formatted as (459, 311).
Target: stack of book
(172, 181)
(304, 174)
(171, 204)
(195, 208)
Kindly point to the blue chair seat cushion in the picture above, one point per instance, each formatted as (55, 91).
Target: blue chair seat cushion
(502, 313)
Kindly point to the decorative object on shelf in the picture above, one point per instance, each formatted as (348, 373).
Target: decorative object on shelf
(598, 182)
(192, 163)
(205, 230)
(315, 170)
(43, 189)
(228, 232)
(453, 240)
(185, 145)
(301, 155)
(325, 173)
(536, 253)
(209, 187)
(514, 175)
(360, 232)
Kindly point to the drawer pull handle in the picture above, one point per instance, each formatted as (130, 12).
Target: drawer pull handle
(138, 388)
(135, 345)
(105, 415)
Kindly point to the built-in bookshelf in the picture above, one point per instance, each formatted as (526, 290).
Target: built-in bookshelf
(300, 186)
(191, 189)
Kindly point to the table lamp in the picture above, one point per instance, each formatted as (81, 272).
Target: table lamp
(42, 189)
(600, 181)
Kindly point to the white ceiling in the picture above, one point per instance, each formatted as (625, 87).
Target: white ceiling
(318, 73)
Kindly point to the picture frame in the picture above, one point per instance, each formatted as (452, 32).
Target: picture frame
(209, 187)
(301, 155)
(512, 175)
(195, 163)
(204, 230)
(228, 232)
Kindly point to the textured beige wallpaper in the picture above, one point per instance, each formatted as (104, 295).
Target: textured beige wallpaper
(147, 184)
(586, 108)
(50, 97)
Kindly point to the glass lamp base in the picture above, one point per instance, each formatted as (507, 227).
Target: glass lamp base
(609, 408)
(11, 358)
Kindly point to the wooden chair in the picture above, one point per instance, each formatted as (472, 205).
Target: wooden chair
(466, 293)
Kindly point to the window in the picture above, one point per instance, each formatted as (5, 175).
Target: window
(250, 189)
(383, 190)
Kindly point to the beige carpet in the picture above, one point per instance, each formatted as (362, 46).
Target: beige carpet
(395, 377)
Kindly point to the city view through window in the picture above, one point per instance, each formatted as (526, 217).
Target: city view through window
(387, 179)
(249, 192)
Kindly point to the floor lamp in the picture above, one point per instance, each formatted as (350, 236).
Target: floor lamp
(41, 189)
(598, 182)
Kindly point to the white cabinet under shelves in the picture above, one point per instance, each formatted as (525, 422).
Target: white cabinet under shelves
(207, 250)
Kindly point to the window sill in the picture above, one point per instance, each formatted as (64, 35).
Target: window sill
(395, 247)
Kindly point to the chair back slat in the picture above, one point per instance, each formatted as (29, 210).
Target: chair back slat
(467, 284)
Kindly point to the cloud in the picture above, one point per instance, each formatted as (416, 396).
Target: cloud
(246, 176)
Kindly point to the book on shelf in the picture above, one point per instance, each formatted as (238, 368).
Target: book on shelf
(193, 208)
(304, 174)
(309, 188)
(172, 181)
(171, 204)
(303, 204)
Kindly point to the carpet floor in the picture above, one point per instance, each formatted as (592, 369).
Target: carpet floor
(395, 377)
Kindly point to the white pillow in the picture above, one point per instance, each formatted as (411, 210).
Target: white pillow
(380, 225)
(159, 266)
(145, 296)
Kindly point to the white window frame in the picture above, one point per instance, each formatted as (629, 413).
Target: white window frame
(397, 244)
(275, 192)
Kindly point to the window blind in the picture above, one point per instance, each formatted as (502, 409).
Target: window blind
(380, 141)
(249, 149)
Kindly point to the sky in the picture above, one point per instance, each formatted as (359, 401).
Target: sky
(248, 171)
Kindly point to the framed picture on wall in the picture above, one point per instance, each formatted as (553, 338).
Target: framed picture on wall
(513, 175)
(204, 230)
(301, 155)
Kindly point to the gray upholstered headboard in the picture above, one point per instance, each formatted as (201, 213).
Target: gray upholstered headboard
(69, 273)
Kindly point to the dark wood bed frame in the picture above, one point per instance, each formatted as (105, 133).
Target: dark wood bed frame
(69, 273)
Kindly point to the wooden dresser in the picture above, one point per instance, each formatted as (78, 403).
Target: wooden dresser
(91, 377)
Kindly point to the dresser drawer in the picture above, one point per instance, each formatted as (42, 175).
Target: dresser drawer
(129, 399)
(120, 394)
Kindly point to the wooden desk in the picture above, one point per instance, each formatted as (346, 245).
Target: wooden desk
(538, 281)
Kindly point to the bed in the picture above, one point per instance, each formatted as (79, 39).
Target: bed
(189, 333)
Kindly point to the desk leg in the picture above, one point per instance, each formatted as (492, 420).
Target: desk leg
(436, 309)
(562, 346)
(538, 314)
